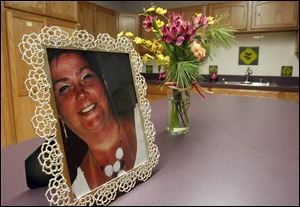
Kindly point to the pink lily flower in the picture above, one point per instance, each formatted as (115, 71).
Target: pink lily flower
(148, 23)
(200, 21)
(179, 40)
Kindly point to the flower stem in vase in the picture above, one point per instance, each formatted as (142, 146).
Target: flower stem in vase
(178, 116)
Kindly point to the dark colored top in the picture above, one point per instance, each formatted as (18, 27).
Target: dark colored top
(240, 151)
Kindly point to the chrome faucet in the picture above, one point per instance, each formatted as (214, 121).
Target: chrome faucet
(247, 75)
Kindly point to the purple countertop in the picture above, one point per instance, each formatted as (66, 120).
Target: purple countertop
(240, 151)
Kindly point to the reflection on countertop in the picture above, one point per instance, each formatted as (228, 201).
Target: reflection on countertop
(269, 83)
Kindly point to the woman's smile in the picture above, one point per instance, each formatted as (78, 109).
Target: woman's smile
(88, 109)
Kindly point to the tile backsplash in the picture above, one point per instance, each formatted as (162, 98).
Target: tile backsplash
(275, 50)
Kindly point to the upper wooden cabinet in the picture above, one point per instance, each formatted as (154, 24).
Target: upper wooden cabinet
(105, 21)
(96, 19)
(86, 16)
(189, 12)
(235, 14)
(274, 14)
(67, 10)
(64, 25)
(258, 16)
(36, 7)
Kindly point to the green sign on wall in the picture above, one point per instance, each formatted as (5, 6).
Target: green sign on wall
(286, 70)
(248, 55)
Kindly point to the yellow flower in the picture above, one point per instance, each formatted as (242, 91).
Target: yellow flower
(138, 40)
(163, 60)
(120, 34)
(210, 20)
(167, 59)
(198, 15)
(148, 43)
(129, 34)
(146, 57)
(159, 23)
(160, 11)
(152, 8)
(160, 57)
(154, 30)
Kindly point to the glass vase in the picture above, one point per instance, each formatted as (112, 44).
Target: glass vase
(179, 102)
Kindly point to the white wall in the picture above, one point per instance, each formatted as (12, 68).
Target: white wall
(275, 50)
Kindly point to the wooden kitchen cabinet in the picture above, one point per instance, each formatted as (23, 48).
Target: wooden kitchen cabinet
(235, 13)
(17, 108)
(64, 25)
(189, 12)
(86, 16)
(130, 23)
(7, 113)
(258, 16)
(246, 92)
(274, 15)
(293, 96)
(154, 92)
(19, 23)
(96, 19)
(105, 21)
(67, 10)
(36, 7)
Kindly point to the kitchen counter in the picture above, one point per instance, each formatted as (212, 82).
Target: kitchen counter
(240, 151)
(288, 84)
(271, 87)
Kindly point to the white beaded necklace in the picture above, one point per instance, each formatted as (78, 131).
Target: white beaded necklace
(117, 168)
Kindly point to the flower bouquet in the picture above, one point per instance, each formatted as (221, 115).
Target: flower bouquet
(180, 47)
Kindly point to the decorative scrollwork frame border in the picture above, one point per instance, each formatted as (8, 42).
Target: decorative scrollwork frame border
(33, 52)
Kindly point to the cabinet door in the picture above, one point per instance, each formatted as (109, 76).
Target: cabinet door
(129, 23)
(189, 12)
(37, 7)
(19, 23)
(7, 118)
(86, 17)
(105, 21)
(64, 25)
(274, 14)
(245, 92)
(67, 10)
(236, 14)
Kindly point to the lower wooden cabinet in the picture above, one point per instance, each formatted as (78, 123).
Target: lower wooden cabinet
(154, 93)
(294, 96)
(245, 92)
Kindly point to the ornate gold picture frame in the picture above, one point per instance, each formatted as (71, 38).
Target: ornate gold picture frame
(48, 121)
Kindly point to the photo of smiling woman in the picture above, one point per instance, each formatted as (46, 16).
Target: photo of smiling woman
(100, 122)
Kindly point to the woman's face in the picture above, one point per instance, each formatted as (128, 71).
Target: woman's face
(80, 96)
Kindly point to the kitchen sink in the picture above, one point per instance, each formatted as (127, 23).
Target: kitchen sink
(248, 83)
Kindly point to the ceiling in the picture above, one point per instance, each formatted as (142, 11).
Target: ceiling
(137, 6)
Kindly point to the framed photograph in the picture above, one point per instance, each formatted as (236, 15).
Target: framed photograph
(92, 113)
